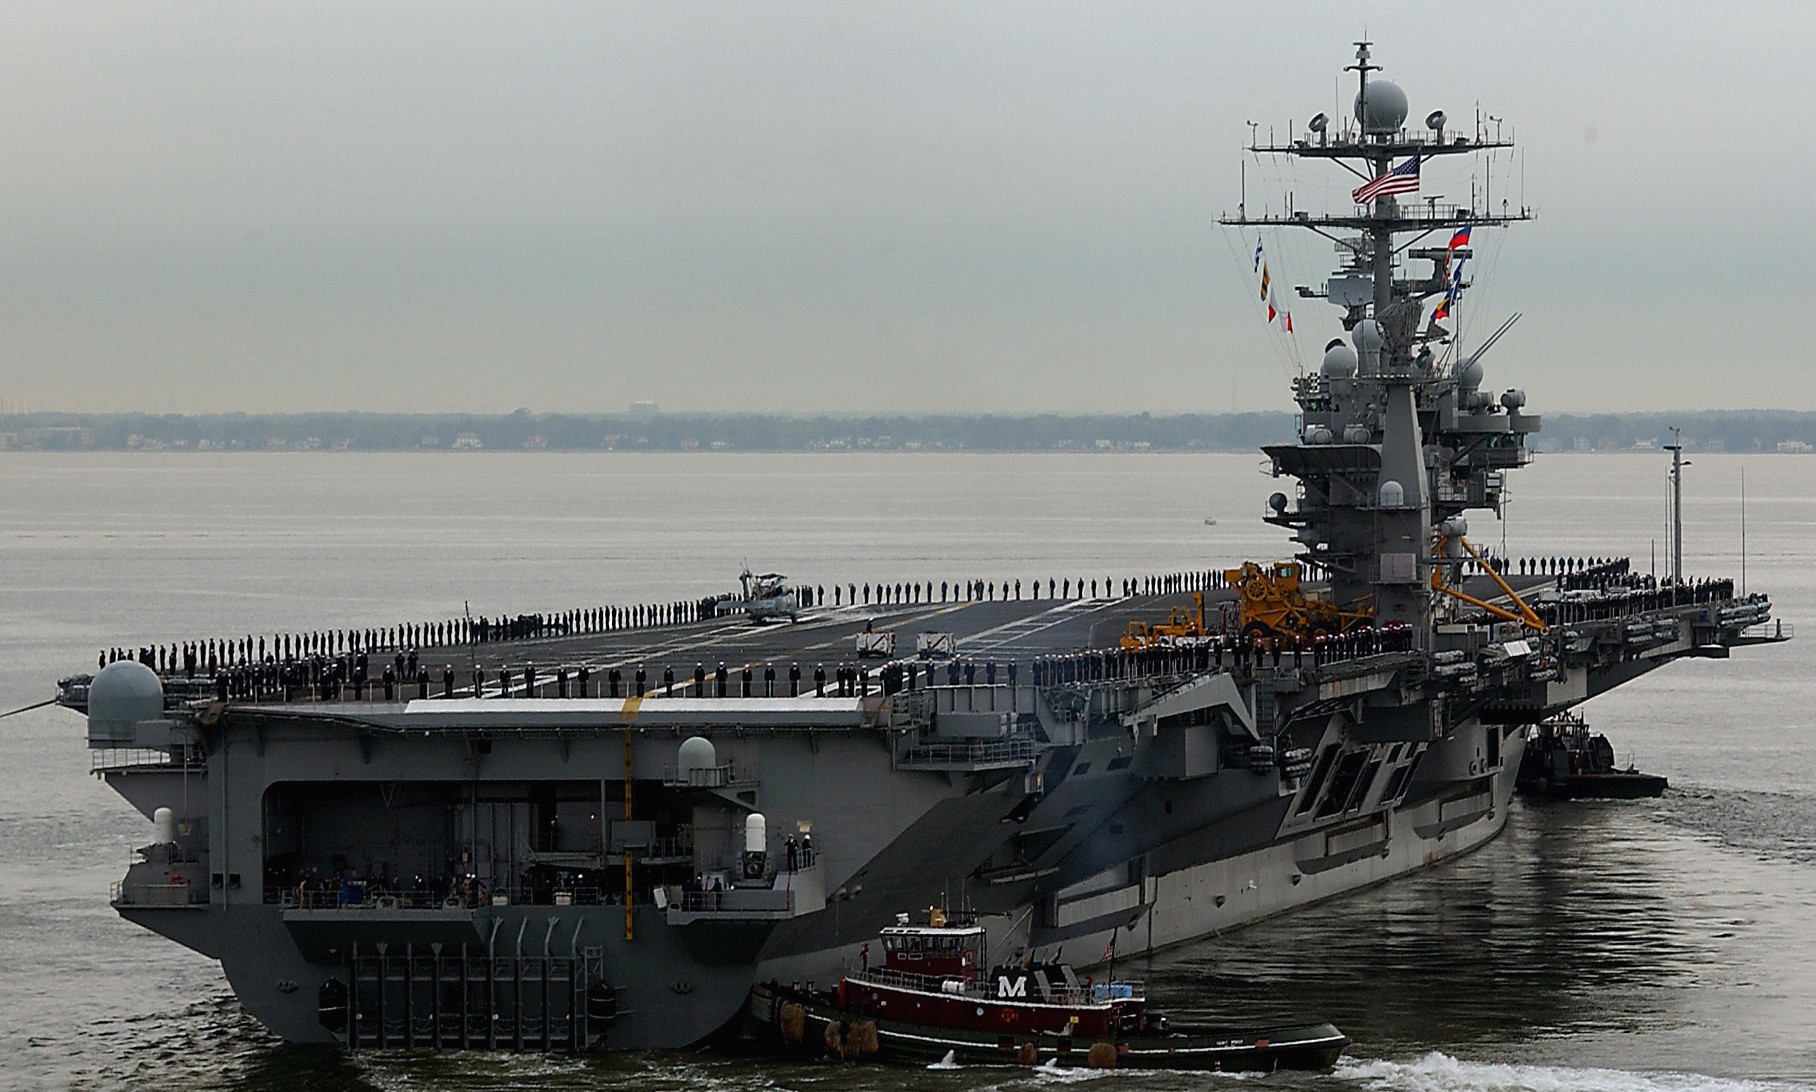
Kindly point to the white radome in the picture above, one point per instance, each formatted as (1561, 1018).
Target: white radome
(1339, 362)
(1384, 110)
(121, 695)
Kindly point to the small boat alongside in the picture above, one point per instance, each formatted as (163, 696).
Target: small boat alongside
(934, 998)
(1565, 760)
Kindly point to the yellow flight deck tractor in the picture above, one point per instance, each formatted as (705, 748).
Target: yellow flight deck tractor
(1271, 603)
(1180, 623)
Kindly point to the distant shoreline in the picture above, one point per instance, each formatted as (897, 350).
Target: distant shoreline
(635, 452)
(1706, 431)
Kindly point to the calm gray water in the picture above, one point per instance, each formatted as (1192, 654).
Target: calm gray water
(1663, 946)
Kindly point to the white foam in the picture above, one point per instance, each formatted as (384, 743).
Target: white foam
(1439, 1072)
(1051, 1070)
(950, 1061)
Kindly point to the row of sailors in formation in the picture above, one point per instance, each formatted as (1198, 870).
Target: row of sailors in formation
(209, 656)
(323, 679)
(1227, 650)
(1621, 600)
(908, 594)
(1570, 571)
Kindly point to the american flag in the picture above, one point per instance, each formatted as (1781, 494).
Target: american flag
(1402, 179)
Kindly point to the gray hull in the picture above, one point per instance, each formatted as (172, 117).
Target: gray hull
(518, 976)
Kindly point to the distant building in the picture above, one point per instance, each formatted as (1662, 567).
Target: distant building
(468, 441)
(47, 439)
(1794, 447)
(645, 409)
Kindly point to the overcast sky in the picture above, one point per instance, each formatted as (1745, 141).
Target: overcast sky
(860, 206)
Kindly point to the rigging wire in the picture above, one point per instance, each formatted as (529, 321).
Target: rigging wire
(1244, 264)
(1278, 173)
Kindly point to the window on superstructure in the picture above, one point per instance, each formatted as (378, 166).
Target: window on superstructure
(1342, 782)
(1319, 772)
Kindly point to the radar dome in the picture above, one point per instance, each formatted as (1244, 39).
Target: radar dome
(1381, 107)
(124, 693)
(1367, 336)
(1393, 494)
(1513, 398)
(1469, 376)
(696, 754)
(1339, 362)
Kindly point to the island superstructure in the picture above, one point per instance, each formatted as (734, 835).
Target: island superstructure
(600, 830)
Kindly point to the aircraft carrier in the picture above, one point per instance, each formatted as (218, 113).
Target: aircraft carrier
(599, 828)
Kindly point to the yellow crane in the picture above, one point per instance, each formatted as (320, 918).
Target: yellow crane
(1523, 614)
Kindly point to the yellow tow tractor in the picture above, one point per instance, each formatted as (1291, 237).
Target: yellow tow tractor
(1180, 623)
(1270, 602)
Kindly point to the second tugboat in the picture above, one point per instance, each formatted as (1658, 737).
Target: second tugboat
(931, 998)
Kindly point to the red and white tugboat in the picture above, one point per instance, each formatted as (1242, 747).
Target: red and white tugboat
(934, 994)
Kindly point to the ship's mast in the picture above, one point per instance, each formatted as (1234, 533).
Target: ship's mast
(1393, 447)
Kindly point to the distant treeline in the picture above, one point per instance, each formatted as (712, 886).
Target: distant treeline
(1729, 430)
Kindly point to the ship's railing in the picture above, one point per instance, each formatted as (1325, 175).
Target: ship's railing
(732, 901)
(146, 759)
(356, 897)
(624, 835)
(137, 895)
(722, 776)
(659, 848)
(1443, 213)
(1775, 630)
(962, 754)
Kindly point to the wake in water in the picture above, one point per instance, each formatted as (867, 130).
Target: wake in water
(1771, 824)
(1439, 1072)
